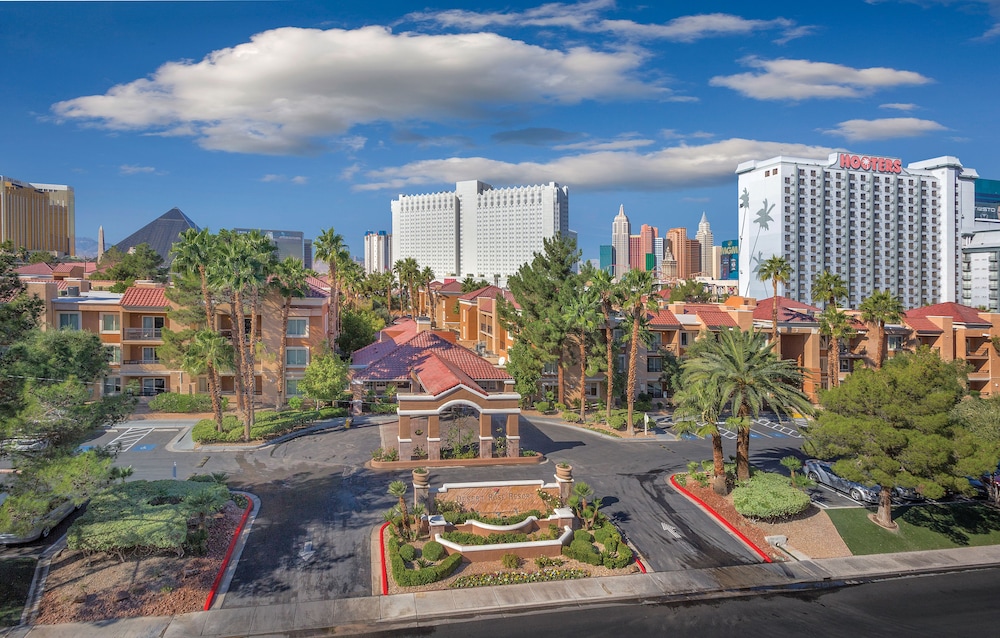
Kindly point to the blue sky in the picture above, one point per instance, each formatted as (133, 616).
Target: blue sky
(306, 115)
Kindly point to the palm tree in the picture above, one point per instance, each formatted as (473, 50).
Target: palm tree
(828, 288)
(582, 317)
(749, 377)
(602, 283)
(424, 278)
(635, 294)
(836, 326)
(289, 281)
(197, 251)
(399, 269)
(330, 247)
(351, 276)
(411, 270)
(880, 308)
(398, 489)
(698, 411)
(209, 351)
(776, 270)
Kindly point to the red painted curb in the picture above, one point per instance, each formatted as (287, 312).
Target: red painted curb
(642, 568)
(725, 523)
(381, 550)
(229, 555)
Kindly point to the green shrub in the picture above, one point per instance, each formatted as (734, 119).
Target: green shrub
(582, 551)
(767, 496)
(560, 407)
(583, 535)
(571, 417)
(545, 561)
(432, 551)
(617, 420)
(510, 561)
(604, 533)
(642, 406)
(383, 408)
(457, 517)
(542, 406)
(173, 402)
(407, 553)
(416, 577)
(618, 557)
(496, 538)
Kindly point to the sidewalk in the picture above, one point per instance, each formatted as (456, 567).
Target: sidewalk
(358, 615)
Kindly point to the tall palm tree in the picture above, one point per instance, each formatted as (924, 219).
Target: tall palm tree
(776, 270)
(749, 377)
(424, 279)
(330, 248)
(880, 308)
(197, 251)
(603, 284)
(698, 411)
(828, 288)
(412, 271)
(836, 326)
(209, 350)
(399, 269)
(635, 294)
(583, 316)
(352, 277)
(290, 282)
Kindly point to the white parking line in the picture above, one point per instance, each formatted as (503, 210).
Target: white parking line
(129, 438)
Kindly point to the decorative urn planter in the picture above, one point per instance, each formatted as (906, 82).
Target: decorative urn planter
(420, 477)
(564, 471)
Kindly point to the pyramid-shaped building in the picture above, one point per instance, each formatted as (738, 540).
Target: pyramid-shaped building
(160, 234)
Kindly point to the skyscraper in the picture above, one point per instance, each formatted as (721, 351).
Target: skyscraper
(704, 239)
(647, 235)
(378, 251)
(607, 262)
(620, 231)
(686, 251)
(38, 216)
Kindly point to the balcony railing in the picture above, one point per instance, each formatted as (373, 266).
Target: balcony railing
(144, 334)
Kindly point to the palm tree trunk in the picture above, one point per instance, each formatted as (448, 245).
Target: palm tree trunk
(243, 364)
(775, 335)
(334, 308)
(282, 349)
(583, 377)
(236, 319)
(633, 356)
(609, 337)
(883, 516)
(561, 378)
(719, 465)
(880, 336)
(743, 448)
(833, 363)
(213, 391)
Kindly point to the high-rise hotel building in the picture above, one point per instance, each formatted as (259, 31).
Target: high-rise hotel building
(877, 223)
(38, 216)
(378, 251)
(477, 229)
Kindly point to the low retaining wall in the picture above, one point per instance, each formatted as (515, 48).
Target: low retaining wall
(562, 517)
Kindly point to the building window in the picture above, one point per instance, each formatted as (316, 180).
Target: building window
(298, 328)
(894, 342)
(114, 355)
(654, 364)
(550, 368)
(69, 320)
(203, 385)
(112, 385)
(684, 338)
(110, 323)
(153, 386)
(297, 357)
(292, 388)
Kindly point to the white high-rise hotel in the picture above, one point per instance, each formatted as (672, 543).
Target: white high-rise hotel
(478, 230)
(878, 224)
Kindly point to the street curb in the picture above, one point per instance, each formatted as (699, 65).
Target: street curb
(234, 561)
(37, 589)
(229, 554)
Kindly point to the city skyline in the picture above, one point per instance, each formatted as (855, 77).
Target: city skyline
(242, 120)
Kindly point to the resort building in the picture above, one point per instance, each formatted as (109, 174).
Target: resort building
(38, 217)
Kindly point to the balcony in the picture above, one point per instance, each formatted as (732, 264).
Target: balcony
(141, 366)
(143, 334)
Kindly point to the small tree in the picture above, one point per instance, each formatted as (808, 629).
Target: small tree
(793, 464)
(398, 489)
(325, 378)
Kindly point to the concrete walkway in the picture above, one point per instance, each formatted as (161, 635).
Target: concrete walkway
(358, 615)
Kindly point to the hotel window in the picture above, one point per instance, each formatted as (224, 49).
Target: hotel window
(684, 338)
(550, 368)
(110, 323)
(112, 385)
(114, 355)
(298, 328)
(69, 320)
(654, 364)
(297, 357)
(292, 387)
(894, 342)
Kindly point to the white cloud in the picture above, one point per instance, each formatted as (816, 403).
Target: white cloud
(884, 129)
(300, 180)
(624, 142)
(588, 17)
(288, 90)
(898, 106)
(674, 168)
(131, 169)
(784, 79)
(272, 178)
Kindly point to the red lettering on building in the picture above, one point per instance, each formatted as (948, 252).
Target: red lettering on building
(867, 163)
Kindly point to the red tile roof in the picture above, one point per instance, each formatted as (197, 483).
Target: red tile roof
(67, 268)
(408, 355)
(486, 305)
(663, 318)
(958, 313)
(437, 375)
(489, 292)
(143, 297)
(921, 324)
(450, 286)
(789, 311)
(716, 319)
(34, 269)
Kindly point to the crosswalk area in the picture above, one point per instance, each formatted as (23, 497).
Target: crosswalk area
(129, 437)
(762, 428)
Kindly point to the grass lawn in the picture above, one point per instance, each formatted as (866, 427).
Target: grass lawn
(14, 586)
(937, 526)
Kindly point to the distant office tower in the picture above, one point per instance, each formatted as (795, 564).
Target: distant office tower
(477, 229)
(704, 239)
(378, 251)
(38, 216)
(669, 270)
(659, 244)
(307, 253)
(290, 243)
(636, 258)
(620, 232)
(686, 251)
(647, 235)
(879, 224)
(607, 262)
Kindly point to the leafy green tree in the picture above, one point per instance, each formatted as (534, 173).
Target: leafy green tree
(671, 375)
(777, 270)
(360, 326)
(750, 377)
(893, 426)
(470, 283)
(142, 262)
(209, 350)
(19, 314)
(836, 326)
(41, 257)
(325, 378)
(878, 309)
(635, 294)
(526, 368)
(690, 291)
(981, 417)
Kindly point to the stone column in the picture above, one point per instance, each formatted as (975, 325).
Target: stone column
(485, 436)
(513, 437)
(404, 439)
(564, 478)
(421, 488)
(434, 437)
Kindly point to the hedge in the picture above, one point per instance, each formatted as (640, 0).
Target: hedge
(768, 496)
(415, 577)
(457, 518)
(496, 538)
(173, 402)
(583, 551)
(268, 424)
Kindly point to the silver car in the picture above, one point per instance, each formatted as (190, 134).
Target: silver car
(821, 472)
(43, 525)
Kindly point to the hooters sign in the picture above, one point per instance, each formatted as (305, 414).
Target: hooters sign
(868, 163)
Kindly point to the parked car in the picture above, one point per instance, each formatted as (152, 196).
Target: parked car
(43, 525)
(821, 472)
(23, 444)
(908, 494)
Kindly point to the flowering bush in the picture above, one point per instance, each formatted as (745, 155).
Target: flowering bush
(517, 578)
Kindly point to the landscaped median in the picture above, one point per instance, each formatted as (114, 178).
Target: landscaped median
(268, 425)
